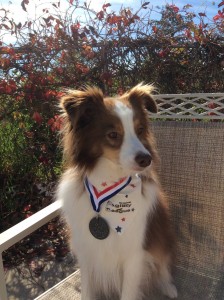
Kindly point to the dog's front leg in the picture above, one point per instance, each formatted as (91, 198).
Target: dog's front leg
(132, 275)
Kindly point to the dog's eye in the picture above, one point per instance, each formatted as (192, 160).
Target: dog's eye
(113, 135)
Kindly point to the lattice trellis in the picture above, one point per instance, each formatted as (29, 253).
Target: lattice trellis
(209, 106)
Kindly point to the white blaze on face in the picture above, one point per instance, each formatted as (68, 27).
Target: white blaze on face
(131, 145)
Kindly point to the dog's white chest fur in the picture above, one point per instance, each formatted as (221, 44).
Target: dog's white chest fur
(119, 204)
(105, 258)
(132, 205)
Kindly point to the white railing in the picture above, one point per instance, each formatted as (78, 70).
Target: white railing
(172, 106)
(191, 106)
(20, 231)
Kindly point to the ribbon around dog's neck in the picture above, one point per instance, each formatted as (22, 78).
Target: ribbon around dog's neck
(99, 197)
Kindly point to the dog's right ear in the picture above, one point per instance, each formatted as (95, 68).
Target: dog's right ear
(81, 106)
(142, 94)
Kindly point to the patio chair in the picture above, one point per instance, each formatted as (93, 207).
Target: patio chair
(192, 173)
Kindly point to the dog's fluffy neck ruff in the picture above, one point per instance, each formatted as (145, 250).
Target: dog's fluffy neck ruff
(106, 171)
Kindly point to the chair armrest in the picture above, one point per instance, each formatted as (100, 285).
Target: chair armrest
(20, 231)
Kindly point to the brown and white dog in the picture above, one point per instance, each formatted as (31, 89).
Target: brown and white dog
(111, 196)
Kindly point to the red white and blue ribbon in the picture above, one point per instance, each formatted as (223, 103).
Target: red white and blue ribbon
(98, 197)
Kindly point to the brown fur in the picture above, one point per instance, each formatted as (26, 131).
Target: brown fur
(85, 136)
(159, 237)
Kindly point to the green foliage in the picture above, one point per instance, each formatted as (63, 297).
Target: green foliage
(29, 156)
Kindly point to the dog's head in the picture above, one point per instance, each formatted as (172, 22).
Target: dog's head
(114, 128)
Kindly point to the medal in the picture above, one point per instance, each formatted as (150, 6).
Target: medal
(99, 228)
(116, 214)
(99, 197)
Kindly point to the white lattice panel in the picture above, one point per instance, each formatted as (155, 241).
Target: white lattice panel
(208, 106)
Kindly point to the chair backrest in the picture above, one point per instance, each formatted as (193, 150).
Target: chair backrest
(192, 174)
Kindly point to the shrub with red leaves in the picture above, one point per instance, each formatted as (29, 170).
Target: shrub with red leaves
(111, 49)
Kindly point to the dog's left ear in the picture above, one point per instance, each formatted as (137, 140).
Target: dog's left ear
(143, 94)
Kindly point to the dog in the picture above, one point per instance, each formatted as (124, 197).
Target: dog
(111, 196)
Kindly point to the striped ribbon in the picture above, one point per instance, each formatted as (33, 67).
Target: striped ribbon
(98, 197)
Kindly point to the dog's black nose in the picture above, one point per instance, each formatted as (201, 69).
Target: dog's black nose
(143, 159)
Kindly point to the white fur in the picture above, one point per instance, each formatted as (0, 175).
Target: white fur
(117, 262)
(105, 262)
(131, 145)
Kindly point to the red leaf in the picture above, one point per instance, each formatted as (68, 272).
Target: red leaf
(174, 8)
(51, 227)
(221, 3)
(202, 14)
(55, 123)
(50, 251)
(113, 19)
(50, 122)
(23, 3)
(187, 6)
(211, 105)
(27, 208)
(188, 33)
(71, 1)
(29, 134)
(5, 63)
(212, 113)
(120, 91)
(100, 15)
(50, 94)
(220, 15)
(60, 94)
(216, 17)
(106, 5)
(37, 117)
(5, 26)
(43, 160)
(59, 70)
(155, 29)
(162, 53)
